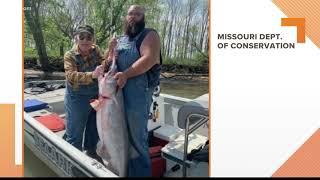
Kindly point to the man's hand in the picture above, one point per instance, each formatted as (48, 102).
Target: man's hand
(121, 79)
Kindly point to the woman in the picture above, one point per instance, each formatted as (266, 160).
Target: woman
(83, 65)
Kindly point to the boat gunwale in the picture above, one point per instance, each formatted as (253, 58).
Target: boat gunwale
(70, 151)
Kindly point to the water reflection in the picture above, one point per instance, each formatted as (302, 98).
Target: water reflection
(189, 90)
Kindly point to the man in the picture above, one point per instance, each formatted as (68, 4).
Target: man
(138, 83)
(82, 66)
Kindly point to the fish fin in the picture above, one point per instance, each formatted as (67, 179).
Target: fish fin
(95, 104)
(117, 89)
(115, 99)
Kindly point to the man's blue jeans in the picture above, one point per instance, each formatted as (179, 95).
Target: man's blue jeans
(137, 101)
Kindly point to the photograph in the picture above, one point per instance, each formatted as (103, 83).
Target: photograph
(116, 88)
(160, 88)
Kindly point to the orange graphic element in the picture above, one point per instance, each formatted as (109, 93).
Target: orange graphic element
(22, 81)
(305, 162)
(300, 23)
(7, 143)
(309, 10)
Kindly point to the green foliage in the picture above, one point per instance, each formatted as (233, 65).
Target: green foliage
(59, 18)
(178, 61)
(30, 52)
(203, 58)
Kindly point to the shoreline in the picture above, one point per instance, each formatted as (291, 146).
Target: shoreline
(166, 77)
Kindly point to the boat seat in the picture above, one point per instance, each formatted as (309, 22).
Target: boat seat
(198, 106)
(191, 116)
(167, 133)
(52, 121)
(41, 112)
(34, 105)
(152, 126)
(174, 150)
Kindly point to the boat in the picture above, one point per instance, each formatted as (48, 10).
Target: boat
(177, 119)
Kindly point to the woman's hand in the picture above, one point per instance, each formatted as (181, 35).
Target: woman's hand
(116, 55)
(112, 53)
(112, 43)
(98, 71)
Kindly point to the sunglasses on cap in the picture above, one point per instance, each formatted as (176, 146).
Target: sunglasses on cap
(134, 13)
(86, 36)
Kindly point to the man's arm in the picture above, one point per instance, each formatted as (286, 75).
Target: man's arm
(149, 50)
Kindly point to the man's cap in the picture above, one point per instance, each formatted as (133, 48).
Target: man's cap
(86, 28)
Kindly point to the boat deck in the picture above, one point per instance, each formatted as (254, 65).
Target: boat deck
(55, 99)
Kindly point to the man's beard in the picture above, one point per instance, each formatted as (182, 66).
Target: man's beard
(133, 29)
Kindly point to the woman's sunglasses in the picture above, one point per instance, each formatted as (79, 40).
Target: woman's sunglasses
(87, 36)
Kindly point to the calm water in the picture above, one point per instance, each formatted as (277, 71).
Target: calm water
(34, 167)
(189, 90)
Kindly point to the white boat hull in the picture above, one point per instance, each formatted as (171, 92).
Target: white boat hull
(67, 161)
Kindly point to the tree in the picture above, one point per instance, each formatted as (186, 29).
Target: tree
(164, 33)
(182, 25)
(106, 18)
(33, 21)
(204, 26)
(191, 8)
(62, 18)
(174, 5)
